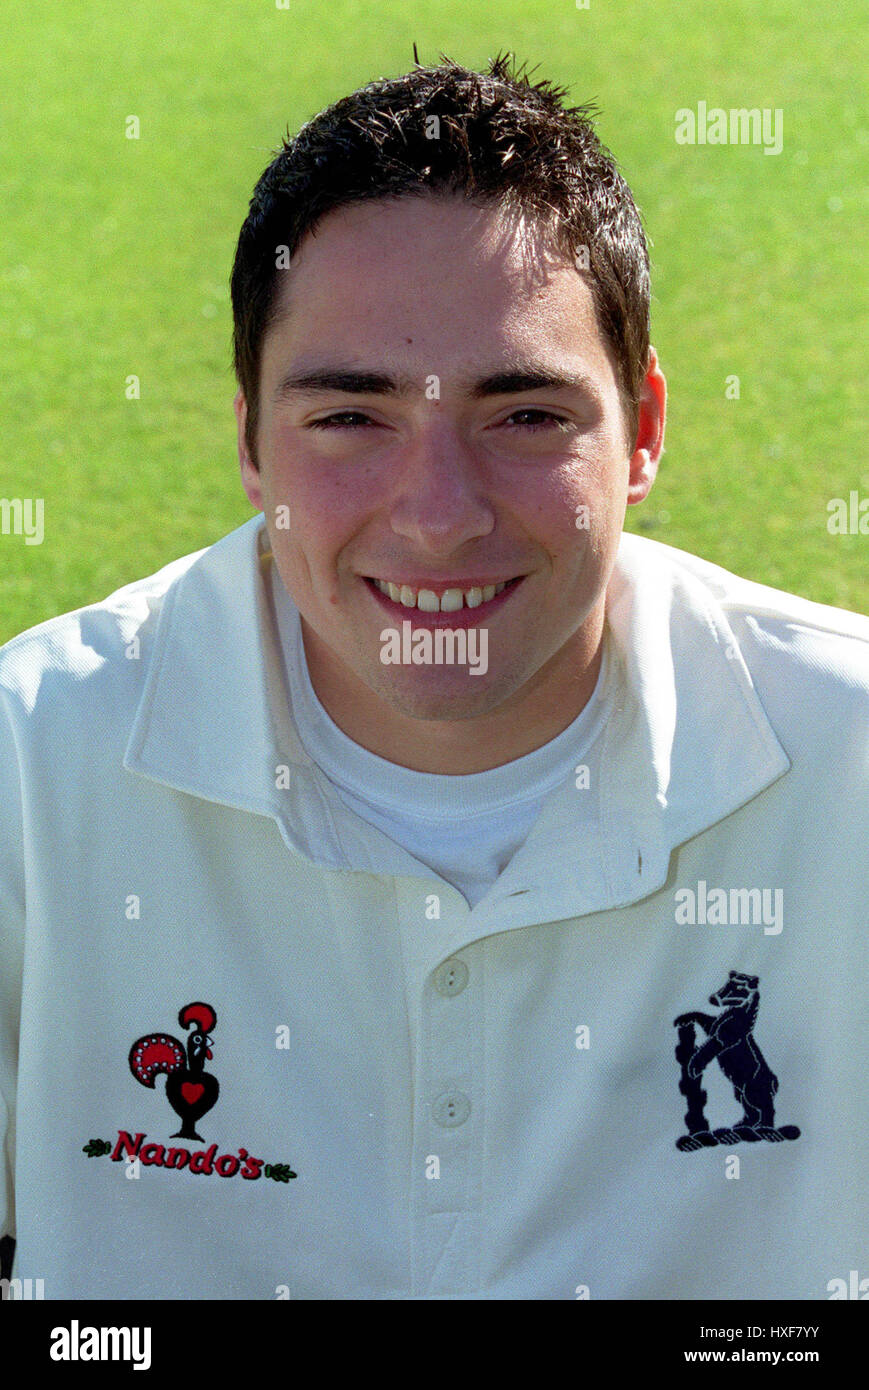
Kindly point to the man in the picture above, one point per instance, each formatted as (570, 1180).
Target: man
(429, 891)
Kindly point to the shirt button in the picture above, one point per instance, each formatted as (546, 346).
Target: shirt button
(451, 977)
(451, 1109)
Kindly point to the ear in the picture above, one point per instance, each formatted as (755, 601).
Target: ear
(250, 474)
(649, 444)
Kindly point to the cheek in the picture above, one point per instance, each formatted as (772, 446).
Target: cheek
(568, 511)
(313, 510)
(595, 494)
(320, 483)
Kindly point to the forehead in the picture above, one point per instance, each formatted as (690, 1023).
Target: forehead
(431, 279)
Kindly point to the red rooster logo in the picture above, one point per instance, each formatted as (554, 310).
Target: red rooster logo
(190, 1089)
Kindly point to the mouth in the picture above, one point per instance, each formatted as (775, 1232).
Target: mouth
(443, 604)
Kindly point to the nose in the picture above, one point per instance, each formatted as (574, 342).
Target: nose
(440, 500)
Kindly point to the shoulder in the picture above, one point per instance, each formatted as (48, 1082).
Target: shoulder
(769, 618)
(809, 662)
(91, 656)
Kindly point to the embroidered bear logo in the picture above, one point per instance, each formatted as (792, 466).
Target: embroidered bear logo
(729, 1041)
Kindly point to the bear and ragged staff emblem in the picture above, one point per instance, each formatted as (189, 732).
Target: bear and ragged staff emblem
(729, 1041)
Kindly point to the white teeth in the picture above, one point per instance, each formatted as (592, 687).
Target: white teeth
(450, 601)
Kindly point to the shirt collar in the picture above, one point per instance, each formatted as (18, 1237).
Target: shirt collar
(688, 743)
(686, 746)
(213, 719)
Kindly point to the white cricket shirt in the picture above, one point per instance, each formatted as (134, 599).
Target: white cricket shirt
(398, 1095)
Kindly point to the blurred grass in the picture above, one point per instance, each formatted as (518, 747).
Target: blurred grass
(116, 257)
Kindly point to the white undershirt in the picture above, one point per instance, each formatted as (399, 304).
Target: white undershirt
(465, 827)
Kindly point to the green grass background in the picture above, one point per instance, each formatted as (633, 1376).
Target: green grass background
(116, 257)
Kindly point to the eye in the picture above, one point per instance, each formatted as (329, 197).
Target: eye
(341, 420)
(530, 418)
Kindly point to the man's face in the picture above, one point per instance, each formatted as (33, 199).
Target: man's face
(439, 412)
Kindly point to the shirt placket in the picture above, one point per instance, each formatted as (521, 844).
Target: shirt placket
(448, 1123)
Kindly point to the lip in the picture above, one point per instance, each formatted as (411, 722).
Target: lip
(463, 617)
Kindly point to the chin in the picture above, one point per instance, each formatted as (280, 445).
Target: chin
(441, 694)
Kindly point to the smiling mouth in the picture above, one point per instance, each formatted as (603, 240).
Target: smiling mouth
(448, 599)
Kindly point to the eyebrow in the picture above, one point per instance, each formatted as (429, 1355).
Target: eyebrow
(512, 381)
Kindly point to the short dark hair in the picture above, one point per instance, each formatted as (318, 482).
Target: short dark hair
(499, 137)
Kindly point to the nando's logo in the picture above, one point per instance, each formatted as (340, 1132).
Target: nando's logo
(190, 1089)
(192, 1092)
